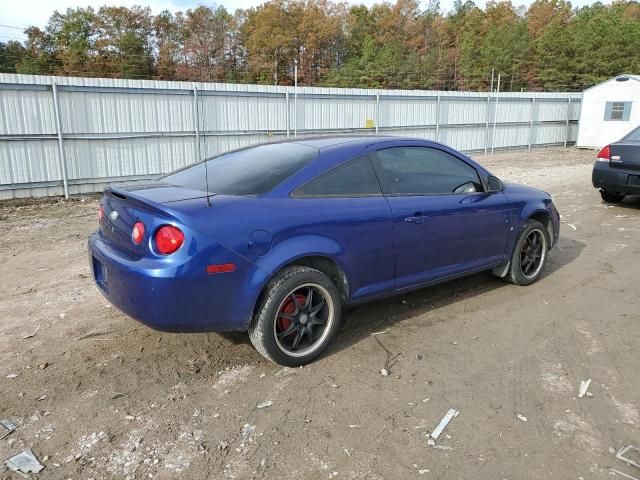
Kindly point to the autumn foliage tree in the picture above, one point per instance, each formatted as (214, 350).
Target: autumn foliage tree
(405, 44)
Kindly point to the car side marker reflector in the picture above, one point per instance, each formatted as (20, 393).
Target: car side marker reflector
(222, 268)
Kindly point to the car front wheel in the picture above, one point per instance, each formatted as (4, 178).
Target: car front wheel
(297, 316)
(529, 255)
(611, 197)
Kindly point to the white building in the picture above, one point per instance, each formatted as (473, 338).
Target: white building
(609, 111)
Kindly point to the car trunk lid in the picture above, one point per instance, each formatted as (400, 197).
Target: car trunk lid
(149, 203)
(625, 155)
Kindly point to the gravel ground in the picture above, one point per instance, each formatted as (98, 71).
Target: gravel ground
(97, 395)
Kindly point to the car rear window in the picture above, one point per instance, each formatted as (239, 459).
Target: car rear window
(250, 171)
(633, 136)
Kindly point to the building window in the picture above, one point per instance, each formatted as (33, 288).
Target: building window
(617, 111)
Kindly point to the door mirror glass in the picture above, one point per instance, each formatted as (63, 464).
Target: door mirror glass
(494, 184)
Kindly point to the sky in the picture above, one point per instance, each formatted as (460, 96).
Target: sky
(15, 15)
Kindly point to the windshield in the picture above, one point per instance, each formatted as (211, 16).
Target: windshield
(250, 171)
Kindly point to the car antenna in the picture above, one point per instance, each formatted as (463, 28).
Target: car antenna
(206, 181)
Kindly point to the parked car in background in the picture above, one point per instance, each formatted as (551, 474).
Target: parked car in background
(276, 239)
(616, 172)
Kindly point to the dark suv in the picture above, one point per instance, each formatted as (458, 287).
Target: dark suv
(616, 172)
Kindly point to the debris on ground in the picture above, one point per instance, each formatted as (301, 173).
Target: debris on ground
(621, 455)
(12, 375)
(247, 430)
(390, 360)
(383, 332)
(35, 332)
(44, 365)
(422, 471)
(265, 404)
(9, 427)
(584, 386)
(622, 474)
(452, 413)
(522, 417)
(442, 447)
(24, 462)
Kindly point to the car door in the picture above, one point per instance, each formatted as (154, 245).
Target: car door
(444, 222)
(346, 205)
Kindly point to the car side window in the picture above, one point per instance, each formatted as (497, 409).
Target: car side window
(352, 179)
(424, 171)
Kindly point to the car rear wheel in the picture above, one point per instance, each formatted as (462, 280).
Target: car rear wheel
(529, 255)
(611, 197)
(297, 316)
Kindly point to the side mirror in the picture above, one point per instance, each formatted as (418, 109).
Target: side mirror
(494, 184)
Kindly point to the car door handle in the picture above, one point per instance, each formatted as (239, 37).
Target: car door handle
(418, 219)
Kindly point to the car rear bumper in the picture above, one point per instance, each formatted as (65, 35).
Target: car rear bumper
(615, 180)
(174, 298)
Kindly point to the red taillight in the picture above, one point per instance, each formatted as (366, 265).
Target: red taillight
(169, 239)
(100, 214)
(604, 155)
(137, 235)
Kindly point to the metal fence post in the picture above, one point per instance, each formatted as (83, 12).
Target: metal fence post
(486, 131)
(196, 123)
(295, 104)
(377, 111)
(63, 160)
(495, 116)
(438, 118)
(286, 96)
(531, 127)
(566, 136)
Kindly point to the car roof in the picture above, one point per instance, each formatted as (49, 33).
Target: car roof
(322, 142)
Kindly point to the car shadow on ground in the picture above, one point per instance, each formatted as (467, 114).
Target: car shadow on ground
(360, 322)
(630, 201)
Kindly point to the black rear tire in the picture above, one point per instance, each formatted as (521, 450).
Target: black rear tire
(532, 246)
(283, 308)
(611, 197)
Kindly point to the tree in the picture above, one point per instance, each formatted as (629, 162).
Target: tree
(169, 43)
(268, 35)
(72, 36)
(123, 44)
(392, 44)
(12, 54)
(207, 44)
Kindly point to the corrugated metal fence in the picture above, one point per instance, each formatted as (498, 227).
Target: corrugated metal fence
(78, 134)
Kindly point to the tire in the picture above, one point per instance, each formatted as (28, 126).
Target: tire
(521, 271)
(283, 307)
(611, 197)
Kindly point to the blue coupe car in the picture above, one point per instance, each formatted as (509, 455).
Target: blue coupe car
(276, 239)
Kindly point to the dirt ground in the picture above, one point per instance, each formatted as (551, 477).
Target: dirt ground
(98, 396)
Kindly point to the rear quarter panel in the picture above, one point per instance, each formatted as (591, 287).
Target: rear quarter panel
(355, 233)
